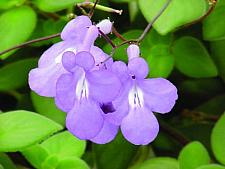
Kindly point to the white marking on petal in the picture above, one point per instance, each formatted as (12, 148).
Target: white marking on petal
(82, 90)
(136, 97)
(58, 58)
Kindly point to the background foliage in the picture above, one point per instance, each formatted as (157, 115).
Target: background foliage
(190, 54)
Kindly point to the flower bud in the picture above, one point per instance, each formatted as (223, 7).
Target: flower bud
(105, 26)
(133, 51)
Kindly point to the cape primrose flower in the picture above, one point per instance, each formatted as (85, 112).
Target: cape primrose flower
(81, 91)
(139, 98)
(43, 79)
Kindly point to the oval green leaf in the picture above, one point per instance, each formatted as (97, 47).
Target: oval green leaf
(72, 163)
(193, 155)
(20, 129)
(15, 75)
(5, 4)
(40, 103)
(159, 163)
(192, 58)
(19, 24)
(64, 145)
(110, 156)
(214, 25)
(178, 13)
(36, 155)
(218, 51)
(218, 140)
(160, 61)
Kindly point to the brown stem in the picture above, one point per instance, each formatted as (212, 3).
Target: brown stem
(82, 10)
(30, 42)
(147, 29)
(91, 13)
(118, 34)
(211, 8)
(107, 38)
(198, 116)
(174, 133)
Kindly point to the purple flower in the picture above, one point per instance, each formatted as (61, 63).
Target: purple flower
(139, 98)
(43, 79)
(82, 90)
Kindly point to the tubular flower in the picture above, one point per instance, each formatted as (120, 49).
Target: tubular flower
(43, 79)
(81, 91)
(139, 98)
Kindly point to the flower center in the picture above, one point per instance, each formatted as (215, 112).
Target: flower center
(82, 90)
(58, 59)
(135, 97)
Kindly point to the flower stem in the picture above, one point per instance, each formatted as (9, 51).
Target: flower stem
(173, 133)
(99, 7)
(30, 42)
(212, 4)
(149, 26)
(107, 38)
(114, 30)
(93, 9)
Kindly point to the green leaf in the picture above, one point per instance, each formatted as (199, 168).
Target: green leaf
(64, 145)
(5, 4)
(214, 25)
(197, 131)
(16, 27)
(50, 163)
(114, 155)
(154, 38)
(178, 13)
(36, 155)
(15, 75)
(207, 87)
(213, 106)
(218, 140)
(40, 103)
(54, 150)
(211, 166)
(6, 162)
(20, 129)
(193, 155)
(192, 58)
(121, 52)
(218, 50)
(165, 143)
(159, 163)
(55, 5)
(160, 61)
(72, 163)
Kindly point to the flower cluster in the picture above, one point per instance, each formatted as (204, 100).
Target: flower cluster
(101, 96)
